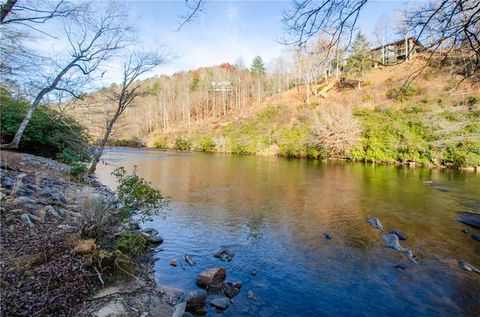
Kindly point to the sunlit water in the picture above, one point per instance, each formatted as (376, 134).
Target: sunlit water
(274, 212)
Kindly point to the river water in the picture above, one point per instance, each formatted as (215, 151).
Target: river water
(273, 213)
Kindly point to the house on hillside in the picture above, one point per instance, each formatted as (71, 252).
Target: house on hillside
(396, 52)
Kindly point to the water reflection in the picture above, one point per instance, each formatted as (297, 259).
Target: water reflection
(274, 213)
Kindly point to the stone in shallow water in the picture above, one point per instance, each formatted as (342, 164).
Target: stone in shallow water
(468, 267)
(327, 236)
(400, 234)
(392, 242)
(225, 254)
(375, 223)
(220, 303)
(470, 219)
(251, 296)
(231, 289)
(213, 276)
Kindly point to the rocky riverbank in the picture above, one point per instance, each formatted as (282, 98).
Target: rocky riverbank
(48, 266)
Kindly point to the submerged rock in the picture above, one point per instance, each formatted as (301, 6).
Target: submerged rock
(468, 267)
(251, 296)
(225, 254)
(220, 303)
(231, 289)
(375, 223)
(196, 302)
(400, 234)
(211, 277)
(392, 242)
(470, 219)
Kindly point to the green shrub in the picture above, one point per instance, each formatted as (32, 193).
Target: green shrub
(49, 133)
(160, 143)
(182, 144)
(137, 195)
(404, 93)
(206, 144)
(131, 243)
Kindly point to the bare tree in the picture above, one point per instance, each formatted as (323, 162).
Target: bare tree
(123, 96)
(93, 38)
(29, 13)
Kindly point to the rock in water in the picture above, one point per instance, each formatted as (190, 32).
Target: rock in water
(211, 277)
(327, 236)
(375, 222)
(189, 260)
(196, 302)
(470, 219)
(220, 303)
(468, 267)
(392, 242)
(173, 262)
(151, 231)
(231, 289)
(475, 236)
(251, 295)
(400, 234)
(151, 238)
(224, 254)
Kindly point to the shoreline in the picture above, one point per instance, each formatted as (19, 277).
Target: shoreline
(47, 265)
(475, 169)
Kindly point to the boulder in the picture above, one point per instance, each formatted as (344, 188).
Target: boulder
(211, 277)
(327, 236)
(151, 231)
(392, 242)
(196, 302)
(254, 273)
(173, 262)
(220, 303)
(224, 254)
(154, 239)
(400, 234)
(375, 223)
(470, 219)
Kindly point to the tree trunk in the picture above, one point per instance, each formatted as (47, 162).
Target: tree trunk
(6, 8)
(21, 129)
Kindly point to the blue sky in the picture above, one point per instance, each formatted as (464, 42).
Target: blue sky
(225, 31)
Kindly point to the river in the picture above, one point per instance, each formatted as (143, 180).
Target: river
(273, 213)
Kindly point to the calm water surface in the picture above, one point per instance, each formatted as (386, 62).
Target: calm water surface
(274, 212)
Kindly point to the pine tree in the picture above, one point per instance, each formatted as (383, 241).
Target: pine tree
(258, 67)
(358, 62)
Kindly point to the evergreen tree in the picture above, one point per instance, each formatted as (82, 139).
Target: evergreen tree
(258, 67)
(358, 62)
